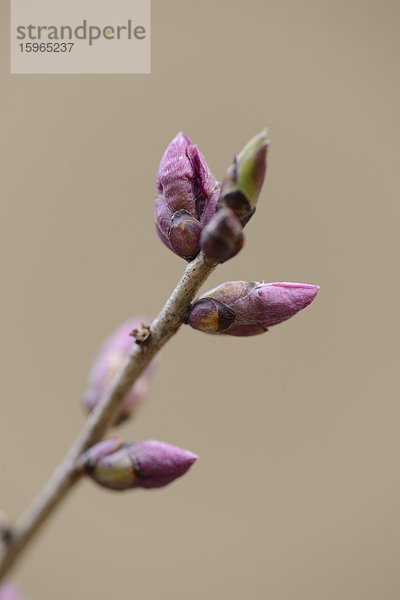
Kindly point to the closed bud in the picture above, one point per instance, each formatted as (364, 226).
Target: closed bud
(243, 308)
(223, 237)
(117, 465)
(9, 592)
(245, 177)
(108, 362)
(187, 199)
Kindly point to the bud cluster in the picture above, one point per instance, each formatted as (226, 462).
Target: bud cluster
(193, 214)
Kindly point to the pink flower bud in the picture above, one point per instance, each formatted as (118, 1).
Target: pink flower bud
(108, 362)
(150, 464)
(187, 197)
(243, 308)
(9, 592)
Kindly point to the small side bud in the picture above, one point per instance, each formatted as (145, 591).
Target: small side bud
(116, 465)
(245, 177)
(108, 362)
(252, 306)
(223, 237)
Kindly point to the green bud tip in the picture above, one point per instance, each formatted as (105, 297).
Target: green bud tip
(245, 177)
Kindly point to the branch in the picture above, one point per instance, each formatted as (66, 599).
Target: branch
(164, 326)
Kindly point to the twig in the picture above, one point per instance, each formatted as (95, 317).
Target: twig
(164, 326)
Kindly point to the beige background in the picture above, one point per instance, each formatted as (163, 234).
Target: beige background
(297, 493)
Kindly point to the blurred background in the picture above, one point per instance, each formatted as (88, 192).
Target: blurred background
(296, 495)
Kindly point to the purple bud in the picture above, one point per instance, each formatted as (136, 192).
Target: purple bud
(9, 592)
(243, 308)
(108, 362)
(223, 237)
(150, 464)
(187, 198)
(245, 177)
(158, 463)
